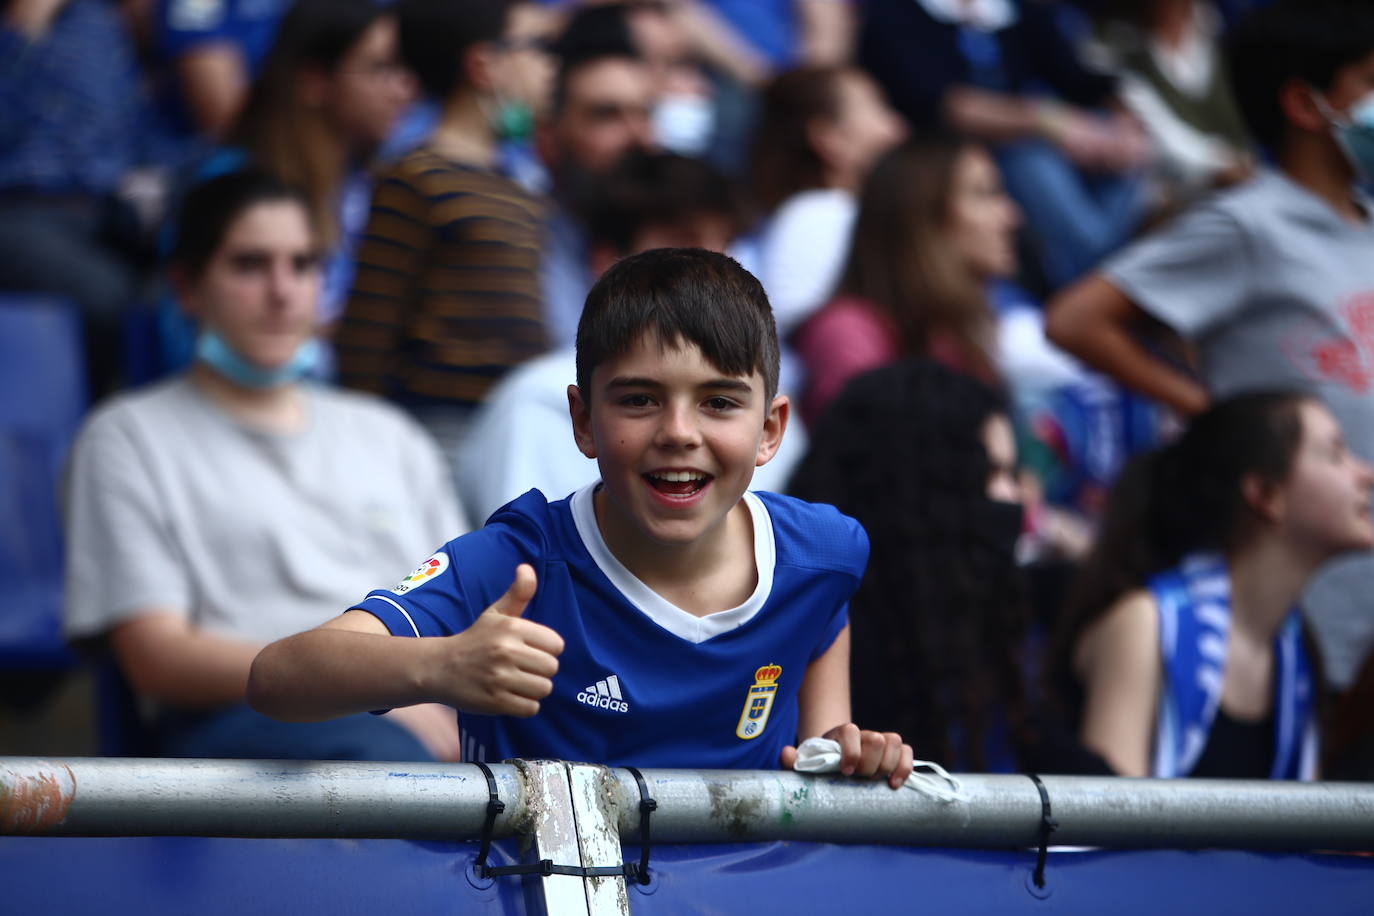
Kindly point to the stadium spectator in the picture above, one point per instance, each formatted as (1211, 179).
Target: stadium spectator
(684, 115)
(1273, 279)
(925, 459)
(603, 101)
(712, 56)
(446, 296)
(819, 131)
(1002, 72)
(209, 52)
(526, 100)
(708, 59)
(1182, 650)
(72, 109)
(1348, 745)
(764, 37)
(522, 435)
(934, 227)
(1174, 80)
(330, 92)
(715, 618)
(234, 504)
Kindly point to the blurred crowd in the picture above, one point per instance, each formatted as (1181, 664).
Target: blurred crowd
(330, 256)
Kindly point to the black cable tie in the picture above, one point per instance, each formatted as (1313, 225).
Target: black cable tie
(647, 806)
(494, 807)
(545, 867)
(1048, 825)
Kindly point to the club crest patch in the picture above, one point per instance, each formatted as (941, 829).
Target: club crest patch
(425, 572)
(758, 703)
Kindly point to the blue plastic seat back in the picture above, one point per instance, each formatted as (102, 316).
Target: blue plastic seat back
(42, 400)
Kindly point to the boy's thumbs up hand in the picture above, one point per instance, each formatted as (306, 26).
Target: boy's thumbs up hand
(517, 597)
(502, 664)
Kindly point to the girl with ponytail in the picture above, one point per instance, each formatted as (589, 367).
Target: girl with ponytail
(1182, 648)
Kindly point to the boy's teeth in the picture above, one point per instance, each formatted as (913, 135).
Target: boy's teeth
(678, 476)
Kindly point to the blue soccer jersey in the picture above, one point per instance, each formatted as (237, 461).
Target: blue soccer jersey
(640, 681)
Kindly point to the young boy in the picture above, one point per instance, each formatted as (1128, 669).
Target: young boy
(1274, 279)
(663, 617)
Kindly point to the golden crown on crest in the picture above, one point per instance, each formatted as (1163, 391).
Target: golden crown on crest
(768, 674)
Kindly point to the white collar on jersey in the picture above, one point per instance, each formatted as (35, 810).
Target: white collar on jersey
(669, 616)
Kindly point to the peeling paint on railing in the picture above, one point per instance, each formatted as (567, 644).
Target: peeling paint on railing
(35, 800)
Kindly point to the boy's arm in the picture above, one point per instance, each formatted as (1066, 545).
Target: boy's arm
(501, 665)
(824, 712)
(1094, 320)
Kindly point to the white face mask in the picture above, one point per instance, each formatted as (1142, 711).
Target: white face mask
(684, 123)
(1354, 133)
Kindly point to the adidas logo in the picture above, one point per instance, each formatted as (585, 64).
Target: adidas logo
(605, 695)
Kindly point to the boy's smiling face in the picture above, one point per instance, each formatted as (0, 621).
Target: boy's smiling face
(677, 441)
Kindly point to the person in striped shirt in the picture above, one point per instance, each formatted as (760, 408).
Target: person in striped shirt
(445, 297)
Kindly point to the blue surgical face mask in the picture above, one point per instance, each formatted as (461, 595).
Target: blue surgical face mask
(1354, 133)
(215, 352)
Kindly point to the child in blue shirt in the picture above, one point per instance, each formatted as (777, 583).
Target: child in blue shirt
(662, 617)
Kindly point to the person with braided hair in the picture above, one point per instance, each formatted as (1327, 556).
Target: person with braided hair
(1182, 649)
(940, 620)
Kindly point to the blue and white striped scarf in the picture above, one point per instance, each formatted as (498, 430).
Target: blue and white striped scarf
(1194, 601)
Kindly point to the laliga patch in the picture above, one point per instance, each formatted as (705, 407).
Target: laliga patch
(425, 572)
(758, 703)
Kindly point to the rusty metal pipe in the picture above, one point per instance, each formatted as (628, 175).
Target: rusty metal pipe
(245, 798)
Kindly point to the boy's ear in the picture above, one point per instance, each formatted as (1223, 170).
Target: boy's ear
(774, 425)
(581, 414)
(1263, 497)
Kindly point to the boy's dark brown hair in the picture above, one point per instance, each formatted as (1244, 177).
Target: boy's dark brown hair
(680, 296)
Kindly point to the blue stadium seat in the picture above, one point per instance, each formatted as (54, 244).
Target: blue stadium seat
(43, 396)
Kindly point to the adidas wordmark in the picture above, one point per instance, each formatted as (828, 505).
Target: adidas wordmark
(605, 695)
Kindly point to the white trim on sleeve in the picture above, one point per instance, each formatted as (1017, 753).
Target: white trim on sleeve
(403, 611)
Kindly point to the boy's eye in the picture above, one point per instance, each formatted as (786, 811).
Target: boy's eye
(636, 400)
(719, 403)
